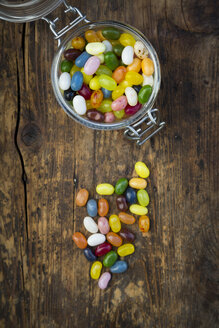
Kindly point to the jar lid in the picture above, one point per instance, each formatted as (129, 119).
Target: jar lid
(20, 11)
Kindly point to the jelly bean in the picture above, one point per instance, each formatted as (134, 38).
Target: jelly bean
(119, 267)
(64, 81)
(105, 106)
(121, 203)
(119, 114)
(131, 110)
(95, 270)
(109, 117)
(96, 98)
(107, 82)
(72, 54)
(106, 93)
(88, 104)
(104, 70)
(126, 218)
(118, 48)
(131, 196)
(95, 48)
(78, 42)
(103, 225)
(111, 60)
(148, 80)
(144, 223)
(82, 59)
(69, 94)
(126, 249)
(119, 103)
(114, 239)
(118, 92)
(92, 207)
(140, 50)
(137, 88)
(105, 189)
(91, 36)
(127, 39)
(96, 239)
(138, 209)
(82, 197)
(74, 69)
(121, 185)
(134, 77)
(103, 249)
(104, 280)
(135, 66)
(138, 183)
(114, 223)
(111, 33)
(87, 78)
(90, 225)
(127, 55)
(101, 58)
(144, 94)
(119, 74)
(110, 258)
(79, 105)
(89, 255)
(91, 65)
(95, 115)
(124, 84)
(79, 240)
(85, 91)
(147, 66)
(103, 207)
(94, 83)
(143, 197)
(132, 96)
(108, 46)
(77, 81)
(66, 66)
(100, 35)
(127, 234)
(142, 170)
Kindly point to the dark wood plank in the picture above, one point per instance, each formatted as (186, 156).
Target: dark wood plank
(172, 279)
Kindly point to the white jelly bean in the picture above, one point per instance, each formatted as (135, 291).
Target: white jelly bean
(79, 105)
(90, 225)
(65, 81)
(132, 96)
(127, 55)
(104, 280)
(91, 65)
(140, 50)
(148, 80)
(101, 57)
(95, 48)
(96, 239)
(108, 46)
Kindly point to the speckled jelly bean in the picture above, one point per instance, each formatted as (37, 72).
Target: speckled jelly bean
(96, 239)
(95, 270)
(108, 46)
(131, 110)
(90, 225)
(96, 98)
(127, 39)
(103, 249)
(142, 170)
(119, 74)
(72, 54)
(105, 189)
(79, 240)
(82, 197)
(144, 94)
(148, 80)
(118, 48)
(111, 33)
(69, 94)
(79, 105)
(103, 225)
(119, 267)
(140, 50)
(143, 197)
(78, 42)
(121, 186)
(91, 36)
(121, 203)
(126, 249)
(135, 66)
(114, 223)
(95, 115)
(92, 207)
(64, 81)
(109, 117)
(66, 66)
(131, 196)
(105, 106)
(138, 183)
(94, 83)
(104, 280)
(88, 253)
(138, 209)
(91, 65)
(126, 218)
(104, 70)
(107, 82)
(144, 223)
(132, 96)
(134, 77)
(106, 93)
(127, 235)
(77, 81)
(119, 103)
(85, 91)
(127, 55)
(114, 239)
(103, 207)
(82, 59)
(110, 258)
(95, 48)
(147, 66)
(111, 60)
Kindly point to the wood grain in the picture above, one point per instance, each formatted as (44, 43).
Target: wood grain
(172, 279)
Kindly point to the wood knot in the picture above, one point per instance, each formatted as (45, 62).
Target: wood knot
(31, 135)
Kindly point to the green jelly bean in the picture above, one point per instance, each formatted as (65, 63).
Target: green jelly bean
(105, 106)
(119, 113)
(144, 94)
(104, 70)
(121, 186)
(111, 60)
(66, 66)
(110, 258)
(107, 82)
(118, 48)
(143, 197)
(111, 33)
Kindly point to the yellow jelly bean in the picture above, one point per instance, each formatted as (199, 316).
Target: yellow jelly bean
(127, 39)
(114, 223)
(138, 209)
(138, 183)
(94, 83)
(147, 66)
(95, 270)
(124, 84)
(119, 91)
(105, 189)
(135, 65)
(87, 78)
(126, 249)
(142, 170)
(74, 69)
(88, 103)
(134, 77)
(101, 57)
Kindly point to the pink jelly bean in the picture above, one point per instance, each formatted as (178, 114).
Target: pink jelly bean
(109, 117)
(103, 225)
(119, 104)
(131, 110)
(85, 91)
(104, 280)
(91, 65)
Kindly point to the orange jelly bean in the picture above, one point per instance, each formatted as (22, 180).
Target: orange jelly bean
(126, 218)
(96, 98)
(119, 74)
(78, 42)
(91, 36)
(80, 240)
(135, 66)
(144, 223)
(147, 66)
(138, 183)
(114, 239)
(103, 207)
(100, 35)
(82, 197)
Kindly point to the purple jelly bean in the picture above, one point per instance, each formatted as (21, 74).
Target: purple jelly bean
(85, 91)
(91, 65)
(104, 280)
(131, 110)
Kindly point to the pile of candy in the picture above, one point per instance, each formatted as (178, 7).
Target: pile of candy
(106, 75)
(126, 194)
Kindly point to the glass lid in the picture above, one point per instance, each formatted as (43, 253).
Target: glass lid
(20, 11)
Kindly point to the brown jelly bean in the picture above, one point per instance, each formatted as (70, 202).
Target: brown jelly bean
(82, 197)
(121, 203)
(114, 239)
(127, 235)
(103, 207)
(72, 54)
(94, 115)
(126, 218)
(79, 240)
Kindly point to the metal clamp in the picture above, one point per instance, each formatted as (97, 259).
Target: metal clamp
(77, 20)
(153, 125)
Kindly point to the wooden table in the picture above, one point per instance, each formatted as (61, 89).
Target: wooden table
(171, 281)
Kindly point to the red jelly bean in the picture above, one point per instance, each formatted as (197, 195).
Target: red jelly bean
(131, 110)
(103, 249)
(85, 91)
(94, 115)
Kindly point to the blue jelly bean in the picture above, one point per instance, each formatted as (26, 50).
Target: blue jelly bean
(92, 207)
(89, 255)
(131, 196)
(81, 60)
(106, 93)
(77, 81)
(119, 267)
